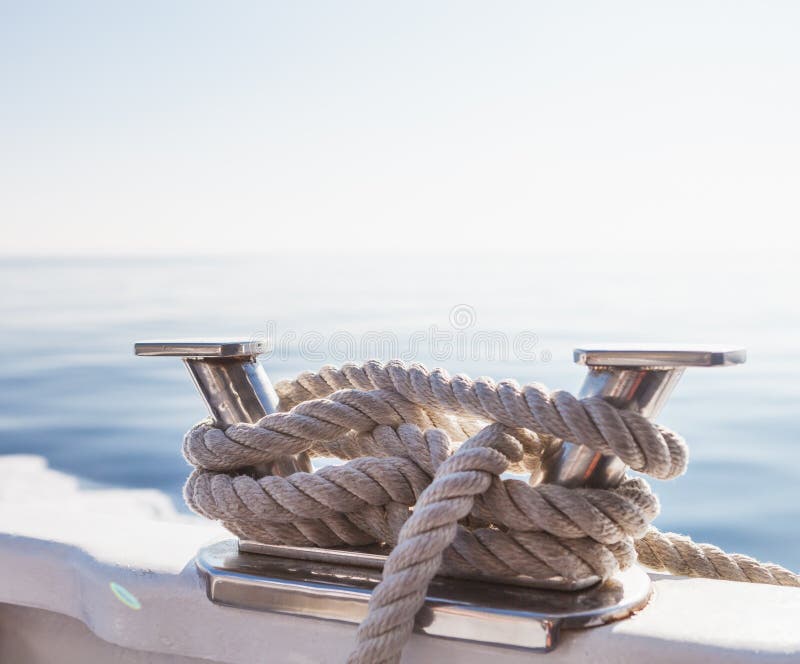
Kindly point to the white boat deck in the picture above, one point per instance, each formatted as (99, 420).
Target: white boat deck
(61, 546)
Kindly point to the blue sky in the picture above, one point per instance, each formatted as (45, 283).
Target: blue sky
(205, 127)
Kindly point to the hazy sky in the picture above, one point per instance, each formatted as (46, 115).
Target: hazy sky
(221, 126)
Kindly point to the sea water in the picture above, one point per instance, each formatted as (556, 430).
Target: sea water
(72, 391)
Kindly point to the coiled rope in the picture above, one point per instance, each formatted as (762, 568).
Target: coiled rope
(425, 454)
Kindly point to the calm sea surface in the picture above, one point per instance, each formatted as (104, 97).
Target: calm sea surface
(72, 391)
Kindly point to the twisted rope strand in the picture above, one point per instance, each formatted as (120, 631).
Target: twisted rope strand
(593, 422)
(425, 453)
(677, 554)
(423, 539)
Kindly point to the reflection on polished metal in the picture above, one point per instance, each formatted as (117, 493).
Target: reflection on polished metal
(634, 377)
(233, 385)
(503, 615)
(374, 557)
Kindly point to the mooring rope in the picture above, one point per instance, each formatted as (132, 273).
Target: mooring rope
(425, 453)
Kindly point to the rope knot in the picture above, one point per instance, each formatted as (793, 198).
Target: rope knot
(425, 462)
